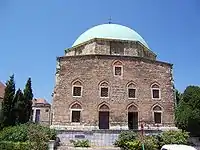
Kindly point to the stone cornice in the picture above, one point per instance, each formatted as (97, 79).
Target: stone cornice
(114, 57)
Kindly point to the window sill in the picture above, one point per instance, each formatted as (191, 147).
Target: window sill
(157, 124)
(77, 96)
(132, 98)
(158, 99)
(75, 123)
(104, 97)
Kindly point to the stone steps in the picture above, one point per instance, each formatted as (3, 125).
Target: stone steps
(90, 148)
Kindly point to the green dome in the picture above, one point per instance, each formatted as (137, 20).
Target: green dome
(110, 31)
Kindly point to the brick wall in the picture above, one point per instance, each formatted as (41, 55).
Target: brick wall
(92, 69)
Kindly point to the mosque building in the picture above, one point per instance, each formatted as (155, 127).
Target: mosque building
(110, 79)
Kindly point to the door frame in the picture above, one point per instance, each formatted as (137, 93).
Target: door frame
(107, 116)
(133, 111)
(137, 119)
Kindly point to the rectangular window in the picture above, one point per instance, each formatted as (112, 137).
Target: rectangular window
(76, 91)
(156, 93)
(118, 71)
(76, 116)
(157, 117)
(104, 92)
(131, 93)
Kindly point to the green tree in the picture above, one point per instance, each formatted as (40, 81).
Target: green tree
(19, 108)
(7, 102)
(178, 97)
(188, 110)
(28, 96)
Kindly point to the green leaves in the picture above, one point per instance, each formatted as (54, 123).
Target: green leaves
(28, 96)
(16, 108)
(188, 110)
(7, 102)
(81, 143)
(34, 135)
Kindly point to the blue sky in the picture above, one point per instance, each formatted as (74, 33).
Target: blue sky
(34, 33)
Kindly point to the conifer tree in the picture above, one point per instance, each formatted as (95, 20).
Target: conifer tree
(7, 102)
(28, 96)
(19, 108)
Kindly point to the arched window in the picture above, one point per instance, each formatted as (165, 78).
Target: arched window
(131, 88)
(76, 112)
(155, 91)
(77, 89)
(117, 68)
(104, 90)
(157, 114)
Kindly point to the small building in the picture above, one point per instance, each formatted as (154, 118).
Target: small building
(41, 111)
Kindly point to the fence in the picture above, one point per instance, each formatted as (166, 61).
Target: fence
(95, 137)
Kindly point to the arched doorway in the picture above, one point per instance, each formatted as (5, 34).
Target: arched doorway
(132, 117)
(104, 117)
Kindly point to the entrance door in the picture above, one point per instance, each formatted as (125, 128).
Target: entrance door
(104, 120)
(133, 120)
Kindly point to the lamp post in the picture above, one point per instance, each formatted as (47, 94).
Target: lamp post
(142, 130)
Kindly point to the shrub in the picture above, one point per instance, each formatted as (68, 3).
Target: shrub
(14, 134)
(150, 143)
(5, 145)
(36, 135)
(173, 137)
(124, 137)
(133, 145)
(81, 143)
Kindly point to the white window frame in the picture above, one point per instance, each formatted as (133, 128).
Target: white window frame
(71, 110)
(121, 70)
(155, 89)
(77, 86)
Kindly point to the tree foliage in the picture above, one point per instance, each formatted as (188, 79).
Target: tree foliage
(20, 107)
(7, 104)
(178, 97)
(188, 110)
(28, 96)
(16, 108)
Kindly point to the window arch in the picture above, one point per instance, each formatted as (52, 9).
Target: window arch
(155, 91)
(118, 68)
(77, 88)
(157, 114)
(104, 89)
(76, 112)
(131, 90)
(104, 107)
(132, 108)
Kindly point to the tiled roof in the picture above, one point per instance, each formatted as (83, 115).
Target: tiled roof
(40, 101)
(2, 89)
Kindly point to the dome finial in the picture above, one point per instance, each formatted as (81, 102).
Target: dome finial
(109, 20)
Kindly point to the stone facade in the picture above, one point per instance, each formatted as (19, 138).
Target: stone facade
(91, 64)
(109, 47)
(41, 112)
